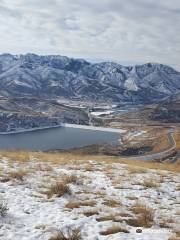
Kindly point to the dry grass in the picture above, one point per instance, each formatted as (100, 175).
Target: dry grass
(166, 223)
(176, 236)
(111, 217)
(91, 212)
(106, 218)
(114, 230)
(88, 167)
(18, 175)
(59, 189)
(149, 183)
(70, 179)
(177, 139)
(52, 157)
(152, 165)
(64, 158)
(133, 198)
(78, 204)
(69, 234)
(136, 170)
(162, 142)
(16, 156)
(178, 188)
(112, 203)
(144, 216)
(44, 167)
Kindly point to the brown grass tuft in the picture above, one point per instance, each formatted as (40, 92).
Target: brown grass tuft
(18, 175)
(148, 183)
(111, 217)
(136, 170)
(70, 179)
(69, 234)
(176, 236)
(112, 203)
(58, 189)
(114, 230)
(78, 204)
(144, 218)
(166, 223)
(88, 167)
(91, 212)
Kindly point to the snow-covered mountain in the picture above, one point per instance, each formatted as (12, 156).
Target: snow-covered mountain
(56, 76)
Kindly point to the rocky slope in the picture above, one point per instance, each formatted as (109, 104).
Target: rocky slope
(22, 112)
(57, 76)
(169, 110)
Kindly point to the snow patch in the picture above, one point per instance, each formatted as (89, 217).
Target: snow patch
(101, 113)
(130, 84)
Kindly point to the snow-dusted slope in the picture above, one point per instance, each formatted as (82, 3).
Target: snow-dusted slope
(56, 76)
(102, 198)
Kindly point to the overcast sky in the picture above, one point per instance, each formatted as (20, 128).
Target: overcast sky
(128, 31)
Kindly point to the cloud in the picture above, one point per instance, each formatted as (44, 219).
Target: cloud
(134, 31)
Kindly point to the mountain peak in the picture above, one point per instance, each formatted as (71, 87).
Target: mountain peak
(55, 76)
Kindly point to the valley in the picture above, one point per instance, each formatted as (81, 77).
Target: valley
(88, 151)
(48, 91)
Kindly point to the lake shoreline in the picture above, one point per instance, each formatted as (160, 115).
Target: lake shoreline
(85, 127)
(58, 137)
(29, 130)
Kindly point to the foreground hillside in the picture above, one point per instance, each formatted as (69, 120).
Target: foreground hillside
(46, 196)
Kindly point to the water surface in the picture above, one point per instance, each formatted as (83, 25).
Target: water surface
(56, 138)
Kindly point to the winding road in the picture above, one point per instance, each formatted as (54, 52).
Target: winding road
(165, 153)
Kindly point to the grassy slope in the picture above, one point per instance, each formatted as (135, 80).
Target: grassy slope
(56, 158)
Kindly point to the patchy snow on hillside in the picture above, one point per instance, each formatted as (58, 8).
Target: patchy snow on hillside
(131, 85)
(102, 113)
(101, 200)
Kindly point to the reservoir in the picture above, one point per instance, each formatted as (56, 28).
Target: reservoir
(57, 138)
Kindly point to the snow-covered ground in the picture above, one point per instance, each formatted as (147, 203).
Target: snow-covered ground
(102, 113)
(102, 196)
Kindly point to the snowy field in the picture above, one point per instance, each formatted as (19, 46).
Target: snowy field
(92, 200)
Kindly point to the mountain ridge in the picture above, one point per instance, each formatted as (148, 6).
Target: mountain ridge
(55, 76)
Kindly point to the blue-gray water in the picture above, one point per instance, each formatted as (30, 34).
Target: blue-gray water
(56, 138)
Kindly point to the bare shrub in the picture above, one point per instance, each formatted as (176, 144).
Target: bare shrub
(69, 234)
